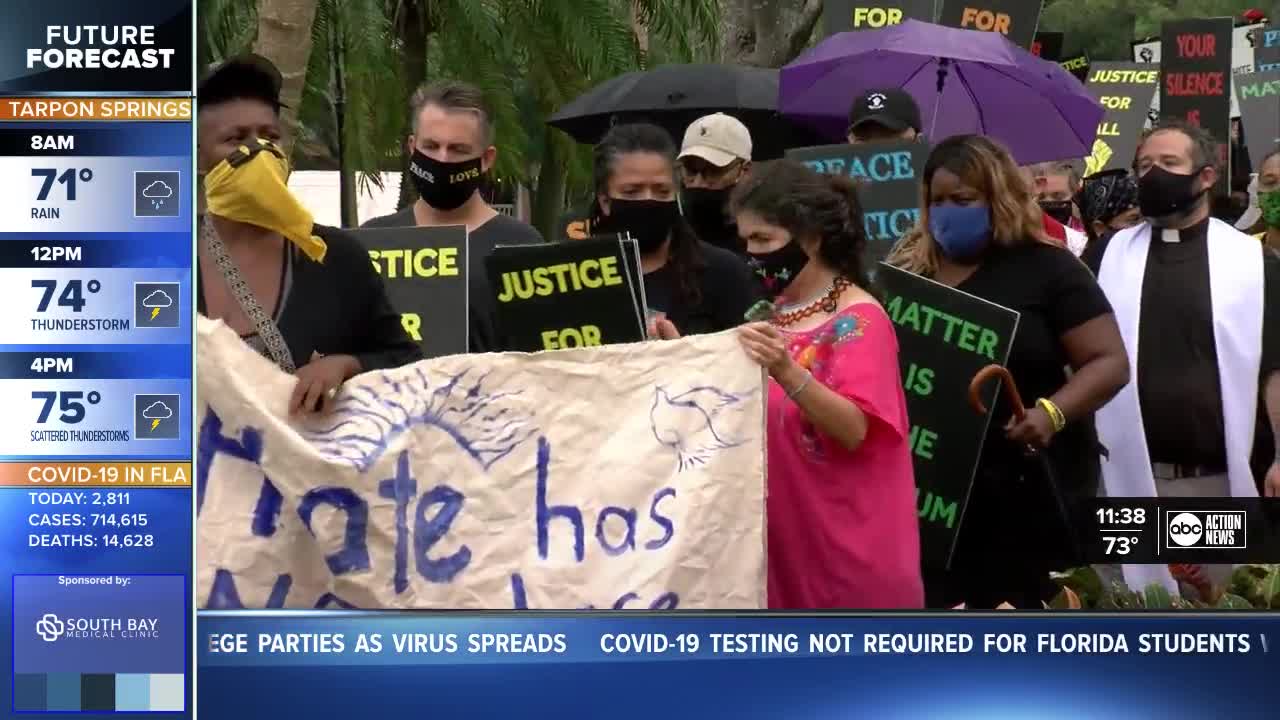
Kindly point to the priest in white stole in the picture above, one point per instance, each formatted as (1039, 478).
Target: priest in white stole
(1189, 293)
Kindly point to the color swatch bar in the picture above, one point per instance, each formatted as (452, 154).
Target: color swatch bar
(104, 692)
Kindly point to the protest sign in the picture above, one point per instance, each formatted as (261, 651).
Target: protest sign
(425, 272)
(1260, 113)
(1244, 41)
(575, 294)
(1195, 84)
(1015, 19)
(1077, 65)
(888, 187)
(944, 338)
(1048, 45)
(1266, 51)
(844, 15)
(625, 476)
(1125, 91)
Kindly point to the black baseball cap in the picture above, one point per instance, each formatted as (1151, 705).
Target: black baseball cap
(891, 108)
(247, 76)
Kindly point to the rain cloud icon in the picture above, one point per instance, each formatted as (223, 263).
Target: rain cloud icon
(157, 411)
(157, 192)
(157, 299)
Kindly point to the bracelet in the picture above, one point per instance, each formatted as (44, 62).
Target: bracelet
(791, 394)
(1054, 412)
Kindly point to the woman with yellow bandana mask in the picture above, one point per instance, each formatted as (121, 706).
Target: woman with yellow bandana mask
(1269, 199)
(304, 295)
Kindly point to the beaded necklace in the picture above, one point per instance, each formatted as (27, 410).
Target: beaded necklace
(829, 302)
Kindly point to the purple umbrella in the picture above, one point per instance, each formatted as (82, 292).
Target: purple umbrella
(964, 81)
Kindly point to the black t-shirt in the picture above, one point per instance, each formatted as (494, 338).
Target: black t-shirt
(575, 223)
(337, 307)
(500, 230)
(1011, 518)
(724, 282)
(1179, 388)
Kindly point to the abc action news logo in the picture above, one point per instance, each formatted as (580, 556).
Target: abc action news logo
(1206, 530)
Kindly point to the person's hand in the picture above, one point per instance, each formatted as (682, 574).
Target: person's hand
(1035, 430)
(660, 328)
(1273, 480)
(319, 380)
(766, 345)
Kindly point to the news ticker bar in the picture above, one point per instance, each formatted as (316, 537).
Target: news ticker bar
(622, 666)
(238, 639)
(1180, 530)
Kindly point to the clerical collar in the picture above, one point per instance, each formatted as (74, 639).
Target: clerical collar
(1195, 233)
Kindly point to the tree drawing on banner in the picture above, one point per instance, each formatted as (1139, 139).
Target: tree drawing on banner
(686, 423)
(364, 423)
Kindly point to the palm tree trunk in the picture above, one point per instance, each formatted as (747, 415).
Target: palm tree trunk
(414, 32)
(640, 29)
(548, 197)
(338, 86)
(284, 37)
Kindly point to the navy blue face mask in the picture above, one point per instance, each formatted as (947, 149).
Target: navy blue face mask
(962, 232)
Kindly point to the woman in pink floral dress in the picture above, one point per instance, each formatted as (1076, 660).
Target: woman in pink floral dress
(842, 525)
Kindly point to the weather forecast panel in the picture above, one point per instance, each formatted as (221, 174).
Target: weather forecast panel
(96, 299)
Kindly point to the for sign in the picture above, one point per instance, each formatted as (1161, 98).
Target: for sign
(876, 17)
(985, 20)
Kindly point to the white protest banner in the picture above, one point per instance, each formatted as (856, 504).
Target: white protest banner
(621, 476)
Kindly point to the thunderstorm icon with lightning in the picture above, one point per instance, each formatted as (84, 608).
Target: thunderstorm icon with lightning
(157, 301)
(155, 412)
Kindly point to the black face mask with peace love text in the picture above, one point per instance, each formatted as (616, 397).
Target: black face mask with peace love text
(445, 185)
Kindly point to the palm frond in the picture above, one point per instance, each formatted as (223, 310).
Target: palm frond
(688, 29)
(228, 27)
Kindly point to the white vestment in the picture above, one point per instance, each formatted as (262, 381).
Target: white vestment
(1236, 293)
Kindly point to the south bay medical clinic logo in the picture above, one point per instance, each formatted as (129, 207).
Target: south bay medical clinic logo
(1206, 530)
(51, 628)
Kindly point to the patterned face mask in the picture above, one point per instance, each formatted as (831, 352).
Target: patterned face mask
(775, 270)
(252, 186)
(1106, 195)
(1269, 203)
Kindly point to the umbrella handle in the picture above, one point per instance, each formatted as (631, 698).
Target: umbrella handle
(1001, 373)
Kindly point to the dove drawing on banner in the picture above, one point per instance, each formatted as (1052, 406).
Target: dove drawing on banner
(686, 423)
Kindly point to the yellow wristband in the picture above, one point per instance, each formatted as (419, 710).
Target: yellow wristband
(1054, 412)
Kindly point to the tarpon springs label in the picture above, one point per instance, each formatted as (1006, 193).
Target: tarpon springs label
(100, 624)
(887, 186)
(944, 338)
(608, 477)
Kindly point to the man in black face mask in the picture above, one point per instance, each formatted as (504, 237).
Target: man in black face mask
(452, 150)
(1056, 185)
(714, 157)
(1197, 305)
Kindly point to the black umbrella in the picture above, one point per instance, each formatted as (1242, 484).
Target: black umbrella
(1036, 468)
(673, 96)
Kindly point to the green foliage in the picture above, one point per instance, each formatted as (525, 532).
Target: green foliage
(1252, 587)
(529, 56)
(1106, 28)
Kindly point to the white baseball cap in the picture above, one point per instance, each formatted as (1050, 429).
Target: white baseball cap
(719, 139)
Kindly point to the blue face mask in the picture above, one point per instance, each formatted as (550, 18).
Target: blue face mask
(962, 232)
